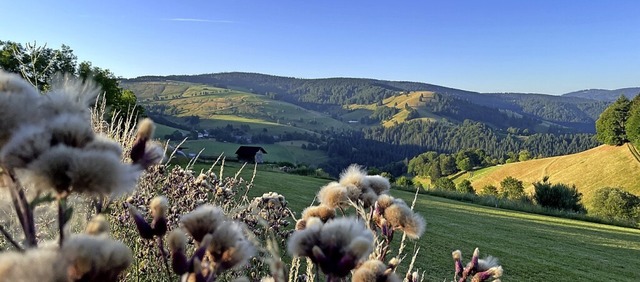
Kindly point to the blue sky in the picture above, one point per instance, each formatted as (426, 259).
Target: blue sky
(540, 46)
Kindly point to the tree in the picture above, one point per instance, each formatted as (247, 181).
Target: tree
(434, 171)
(489, 190)
(403, 181)
(610, 126)
(447, 164)
(511, 188)
(615, 204)
(524, 155)
(632, 126)
(444, 183)
(40, 64)
(36, 64)
(557, 196)
(465, 187)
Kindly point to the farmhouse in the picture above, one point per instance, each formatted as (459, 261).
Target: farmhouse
(250, 153)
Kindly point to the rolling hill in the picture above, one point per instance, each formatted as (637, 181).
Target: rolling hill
(603, 166)
(535, 112)
(217, 107)
(605, 95)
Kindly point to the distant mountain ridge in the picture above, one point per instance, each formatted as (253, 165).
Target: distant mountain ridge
(605, 95)
(535, 112)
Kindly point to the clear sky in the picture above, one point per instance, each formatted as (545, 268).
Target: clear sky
(538, 46)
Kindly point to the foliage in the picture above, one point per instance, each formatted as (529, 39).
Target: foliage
(465, 187)
(511, 188)
(448, 138)
(557, 196)
(39, 65)
(444, 183)
(403, 181)
(489, 190)
(632, 126)
(610, 127)
(616, 204)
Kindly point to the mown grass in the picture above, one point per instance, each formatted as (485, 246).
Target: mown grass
(530, 247)
(280, 152)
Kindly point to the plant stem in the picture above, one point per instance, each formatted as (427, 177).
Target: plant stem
(163, 253)
(23, 210)
(8, 236)
(62, 218)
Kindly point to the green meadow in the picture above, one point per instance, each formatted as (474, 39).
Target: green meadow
(288, 151)
(530, 247)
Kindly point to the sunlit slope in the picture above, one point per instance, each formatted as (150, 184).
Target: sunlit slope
(613, 166)
(221, 106)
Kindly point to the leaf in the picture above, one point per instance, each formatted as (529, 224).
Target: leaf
(68, 212)
(42, 199)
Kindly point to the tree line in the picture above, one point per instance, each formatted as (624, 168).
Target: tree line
(620, 122)
(39, 65)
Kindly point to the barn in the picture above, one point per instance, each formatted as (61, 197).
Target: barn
(250, 154)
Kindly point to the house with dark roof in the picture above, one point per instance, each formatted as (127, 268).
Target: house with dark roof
(250, 154)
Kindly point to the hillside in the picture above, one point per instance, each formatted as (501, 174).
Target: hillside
(613, 166)
(217, 107)
(525, 111)
(605, 95)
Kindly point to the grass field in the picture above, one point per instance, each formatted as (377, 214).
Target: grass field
(530, 247)
(612, 166)
(162, 130)
(280, 152)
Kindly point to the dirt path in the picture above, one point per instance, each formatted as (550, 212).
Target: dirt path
(545, 170)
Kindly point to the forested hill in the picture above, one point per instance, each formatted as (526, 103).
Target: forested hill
(535, 112)
(605, 95)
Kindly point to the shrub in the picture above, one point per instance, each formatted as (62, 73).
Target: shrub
(512, 189)
(615, 204)
(557, 196)
(466, 187)
(489, 190)
(403, 181)
(445, 183)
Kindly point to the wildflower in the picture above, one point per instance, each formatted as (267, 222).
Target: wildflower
(70, 130)
(398, 215)
(374, 270)
(333, 195)
(378, 184)
(67, 169)
(354, 175)
(323, 212)
(25, 146)
(229, 248)
(177, 242)
(15, 93)
(98, 225)
(158, 207)
(41, 264)
(144, 229)
(478, 269)
(336, 246)
(494, 272)
(91, 258)
(105, 144)
(143, 152)
(457, 259)
(203, 220)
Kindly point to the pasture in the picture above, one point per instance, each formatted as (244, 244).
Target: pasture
(530, 247)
